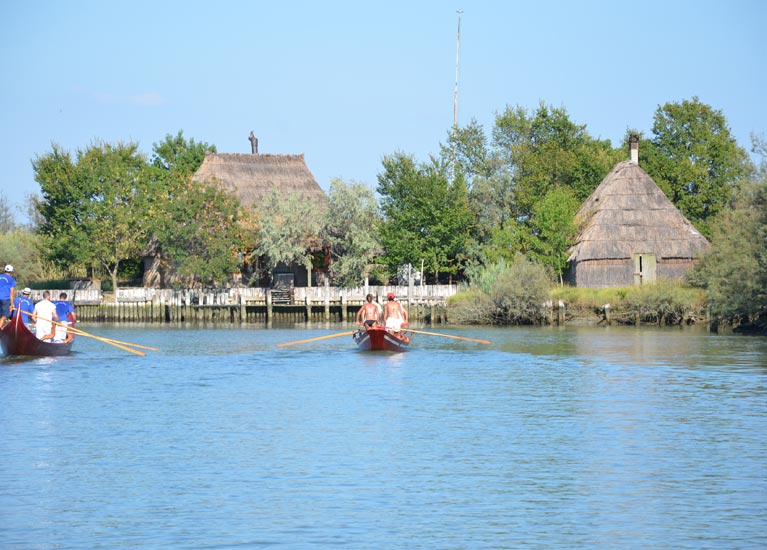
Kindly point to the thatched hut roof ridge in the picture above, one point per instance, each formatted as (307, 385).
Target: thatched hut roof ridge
(251, 177)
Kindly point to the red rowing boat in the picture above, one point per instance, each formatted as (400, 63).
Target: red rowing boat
(378, 338)
(17, 339)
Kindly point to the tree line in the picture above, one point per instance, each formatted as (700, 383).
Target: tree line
(486, 196)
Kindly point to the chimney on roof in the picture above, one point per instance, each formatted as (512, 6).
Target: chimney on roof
(634, 148)
(253, 143)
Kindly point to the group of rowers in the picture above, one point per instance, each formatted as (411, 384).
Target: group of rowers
(391, 315)
(45, 313)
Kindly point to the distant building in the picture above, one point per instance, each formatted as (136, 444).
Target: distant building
(251, 178)
(631, 234)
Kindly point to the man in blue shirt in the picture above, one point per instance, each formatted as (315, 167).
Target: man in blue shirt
(7, 294)
(23, 305)
(66, 312)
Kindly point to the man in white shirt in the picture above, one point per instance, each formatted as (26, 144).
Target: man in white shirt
(45, 313)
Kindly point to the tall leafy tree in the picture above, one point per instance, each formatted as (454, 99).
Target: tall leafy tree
(195, 230)
(734, 270)
(553, 223)
(694, 158)
(496, 229)
(427, 217)
(93, 206)
(195, 227)
(289, 231)
(530, 155)
(352, 232)
(545, 149)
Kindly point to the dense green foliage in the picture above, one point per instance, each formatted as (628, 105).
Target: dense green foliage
(426, 217)
(93, 206)
(526, 183)
(23, 250)
(734, 271)
(289, 229)
(194, 227)
(352, 232)
(694, 159)
(176, 154)
(553, 224)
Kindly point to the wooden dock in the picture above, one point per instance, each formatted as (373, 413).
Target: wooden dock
(238, 306)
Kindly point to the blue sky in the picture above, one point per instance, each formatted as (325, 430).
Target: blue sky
(346, 83)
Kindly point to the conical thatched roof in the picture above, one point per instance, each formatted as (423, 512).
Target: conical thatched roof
(252, 177)
(629, 214)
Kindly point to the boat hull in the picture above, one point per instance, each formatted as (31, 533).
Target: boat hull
(381, 339)
(17, 339)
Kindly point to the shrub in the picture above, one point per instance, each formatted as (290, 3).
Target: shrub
(502, 294)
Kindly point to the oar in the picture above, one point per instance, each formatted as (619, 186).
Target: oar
(406, 329)
(107, 340)
(316, 339)
(83, 333)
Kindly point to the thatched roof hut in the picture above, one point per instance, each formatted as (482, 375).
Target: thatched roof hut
(631, 233)
(252, 177)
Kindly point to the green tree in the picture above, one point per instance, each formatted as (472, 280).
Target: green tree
(94, 208)
(176, 154)
(427, 218)
(693, 157)
(195, 230)
(546, 149)
(553, 223)
(24, 251)
(734, 270)
(289, 231)
(530, 155)
(352, 232)
(195, 227)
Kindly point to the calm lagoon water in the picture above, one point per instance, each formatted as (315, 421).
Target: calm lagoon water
(547, 438)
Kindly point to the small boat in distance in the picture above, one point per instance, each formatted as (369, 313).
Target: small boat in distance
(17, 339)
(378, 338)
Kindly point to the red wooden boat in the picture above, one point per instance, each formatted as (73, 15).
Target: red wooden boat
(378, 338)
(17, 339)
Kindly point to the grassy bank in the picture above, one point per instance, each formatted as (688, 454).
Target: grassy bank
(664, 303)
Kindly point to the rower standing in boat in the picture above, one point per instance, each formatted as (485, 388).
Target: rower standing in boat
(395, 316)
(24, 305)
(7, 294)
(369, 314)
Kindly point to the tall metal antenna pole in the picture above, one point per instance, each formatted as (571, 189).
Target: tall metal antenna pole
(457, 60)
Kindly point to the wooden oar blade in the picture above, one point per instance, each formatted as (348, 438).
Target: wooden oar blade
(317, 339)
(448, 336)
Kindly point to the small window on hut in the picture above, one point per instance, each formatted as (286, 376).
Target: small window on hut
(644, 269)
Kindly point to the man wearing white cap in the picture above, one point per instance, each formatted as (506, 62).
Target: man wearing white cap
(23, 305)
(7, 293)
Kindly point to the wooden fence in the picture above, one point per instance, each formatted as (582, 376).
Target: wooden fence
(425, 304)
